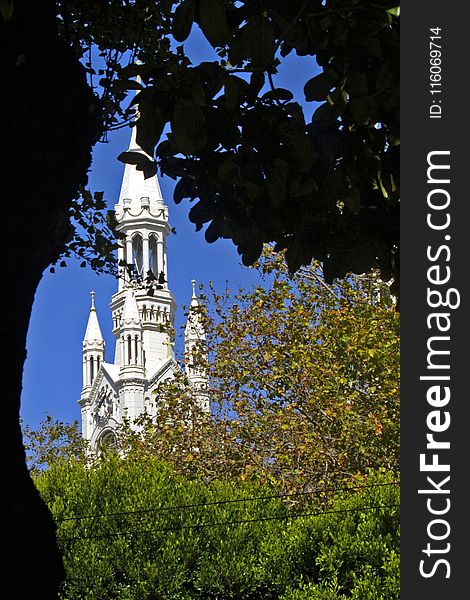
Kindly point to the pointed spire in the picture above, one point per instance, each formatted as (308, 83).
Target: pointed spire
(134, 186)
(194, 300)
(194, 329)
(133, 146)
(130, 313)
(93, 331)
(195, 352)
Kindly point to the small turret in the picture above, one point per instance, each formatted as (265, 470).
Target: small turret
(93, 348)
(195, 351)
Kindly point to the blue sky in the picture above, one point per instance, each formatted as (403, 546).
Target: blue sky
(52, 378)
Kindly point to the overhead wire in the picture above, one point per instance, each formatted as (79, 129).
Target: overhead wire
(222, 502)
(226, 523)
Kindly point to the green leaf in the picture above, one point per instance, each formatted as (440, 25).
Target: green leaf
(256, 43)
(213, 22)
(363, 109)
(183, 20)
(198, 94)
(232, 93)
(262, 42)
(132, 84)
(228, 171)
(188, 127)
(278, 94)
(324, 113)
(295, 110)
(151, 122)
(356, 84)
(250, 252)
(142, 162)
(394, 11)
(296, 256)
(132, 158)
(257, 80)
(317, 88)
(277, 181)
(353, 201)
(201, 213)
(214, 231)
(182, 189)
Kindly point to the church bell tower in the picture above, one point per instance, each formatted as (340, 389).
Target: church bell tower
(143, 313)
(142, 218)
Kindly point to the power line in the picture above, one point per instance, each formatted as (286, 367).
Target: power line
(226, 523)
(221, 502)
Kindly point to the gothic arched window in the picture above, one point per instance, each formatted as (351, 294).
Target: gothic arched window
(153, 266)
(137, 257)
(129, 350)
(107, 441)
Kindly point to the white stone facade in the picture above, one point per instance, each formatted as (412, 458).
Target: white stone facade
(143, 312)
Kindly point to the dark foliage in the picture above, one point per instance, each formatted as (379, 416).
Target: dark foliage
(326, 189)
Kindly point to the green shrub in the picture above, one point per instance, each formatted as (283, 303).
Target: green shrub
(134, 530)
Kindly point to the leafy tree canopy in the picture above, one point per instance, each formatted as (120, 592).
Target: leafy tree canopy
(52, 442)
(238, 144)
(303, 382)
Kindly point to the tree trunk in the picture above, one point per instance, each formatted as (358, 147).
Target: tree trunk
(48, 128)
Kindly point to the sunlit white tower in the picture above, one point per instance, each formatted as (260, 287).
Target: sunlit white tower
(143, 314)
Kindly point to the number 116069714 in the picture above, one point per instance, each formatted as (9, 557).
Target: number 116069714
(435, 72)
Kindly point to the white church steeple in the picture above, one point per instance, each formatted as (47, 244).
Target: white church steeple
(142, 218)
(143, 222)
(143, 312)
